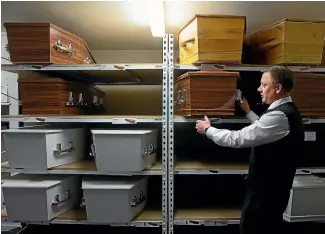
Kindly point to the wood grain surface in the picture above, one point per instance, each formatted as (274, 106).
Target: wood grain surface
(33, 43)
(206, 93)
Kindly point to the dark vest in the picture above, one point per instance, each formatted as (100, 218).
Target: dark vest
(272, 166)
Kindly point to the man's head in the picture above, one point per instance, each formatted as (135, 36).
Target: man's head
(277, 82)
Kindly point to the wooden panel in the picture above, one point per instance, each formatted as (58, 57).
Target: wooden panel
(133, 99)
(308, 94)
(212, 39)
(323, 57)
(208, 214)
(188, 42)
(211, 93)
(288, 41)
(33, 43)
(41, 94)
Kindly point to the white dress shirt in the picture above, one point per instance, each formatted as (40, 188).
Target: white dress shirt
(270, 127)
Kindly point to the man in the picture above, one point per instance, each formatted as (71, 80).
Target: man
(275, 137)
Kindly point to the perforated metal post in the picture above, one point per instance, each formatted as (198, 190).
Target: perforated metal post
(171, 133)
(165, 138)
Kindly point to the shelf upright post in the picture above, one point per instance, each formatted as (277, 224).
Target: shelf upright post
(171, 133)
(165, 137)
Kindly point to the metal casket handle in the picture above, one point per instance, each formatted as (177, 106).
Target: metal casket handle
(59, 149)
(58, 46)
(56, 201)
(136, 202)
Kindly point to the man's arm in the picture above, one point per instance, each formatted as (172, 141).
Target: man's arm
(252, 116)
(270, 127)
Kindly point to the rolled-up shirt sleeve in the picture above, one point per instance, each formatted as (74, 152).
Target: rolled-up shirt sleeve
(271, 127)
(252, 116)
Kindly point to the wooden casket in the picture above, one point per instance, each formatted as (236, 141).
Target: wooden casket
(212, 39)
(45, 43)
(289, 41)
(42, 94)
(209, 93)
(309, 94)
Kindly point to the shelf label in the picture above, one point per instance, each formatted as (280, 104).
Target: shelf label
(310, 136)
(209, 223)
(124, 121)
(221, 223)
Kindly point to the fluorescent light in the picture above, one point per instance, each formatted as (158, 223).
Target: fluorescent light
(144, 12)
(156, 17)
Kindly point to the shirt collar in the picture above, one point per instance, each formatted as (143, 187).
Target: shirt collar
(279, 102)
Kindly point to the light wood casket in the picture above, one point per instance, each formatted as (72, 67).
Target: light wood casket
(212, 39)
(309, 94)
(289, 41)
(209, 93)
(42, 94)
(45, 43)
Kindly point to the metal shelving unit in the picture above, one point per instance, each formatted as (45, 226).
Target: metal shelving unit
(108, 74)
(138, 74)
(218, 216)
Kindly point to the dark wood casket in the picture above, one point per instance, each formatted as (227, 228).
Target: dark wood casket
(309, 94)
(45, 43)
(209, 93)
(41, 94)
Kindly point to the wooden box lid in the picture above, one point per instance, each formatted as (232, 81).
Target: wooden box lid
(285, 20)
(210, 16)
(207, 74)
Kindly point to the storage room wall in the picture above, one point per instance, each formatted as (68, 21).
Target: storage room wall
(131, 99)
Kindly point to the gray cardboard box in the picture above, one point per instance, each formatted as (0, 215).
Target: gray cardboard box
(124, 150)
(43, 148)
(40, 197)
(114, 199)
(307, 200)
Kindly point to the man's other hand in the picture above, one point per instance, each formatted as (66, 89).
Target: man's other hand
(201, 125)
(244, 106)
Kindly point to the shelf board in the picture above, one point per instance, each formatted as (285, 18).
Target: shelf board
(147, 217)
(114, 119)
(209, 217)
(209, 167)
(84, 167)
(239, 120)
(149, 73)
(182, 68)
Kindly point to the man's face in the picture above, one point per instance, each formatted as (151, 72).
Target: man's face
(268, 89)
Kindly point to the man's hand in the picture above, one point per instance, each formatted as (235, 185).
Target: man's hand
(244, 106)
(201, 125)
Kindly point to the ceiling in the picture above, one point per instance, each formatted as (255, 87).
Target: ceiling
(109, 26)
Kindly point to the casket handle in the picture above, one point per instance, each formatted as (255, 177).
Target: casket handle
(81, 100)
(136, 202)
(83, 202)
(56, 201)
(148, 150)
(181, 97)
(70, 100)
(189, 41)
(58, 45)
(92, 152)
(59, 149)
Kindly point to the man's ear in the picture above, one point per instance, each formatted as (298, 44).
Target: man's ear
(278, 88)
